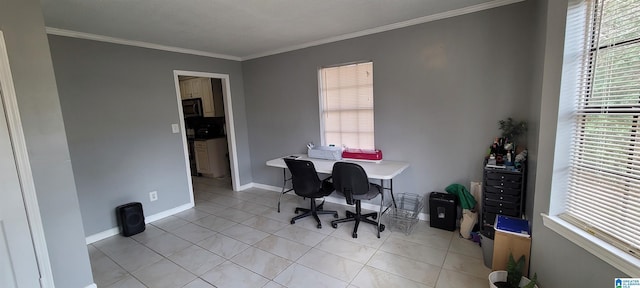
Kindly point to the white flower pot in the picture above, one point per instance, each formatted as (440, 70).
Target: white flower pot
(497, 276)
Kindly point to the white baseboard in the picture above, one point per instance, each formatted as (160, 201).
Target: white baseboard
(333, 199)
(267, 187)
(245, 186)
(93, 285)
(148, 219)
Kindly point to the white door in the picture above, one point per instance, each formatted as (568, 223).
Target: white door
(18, 265)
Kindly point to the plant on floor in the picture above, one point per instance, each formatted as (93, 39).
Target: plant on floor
(514, 274)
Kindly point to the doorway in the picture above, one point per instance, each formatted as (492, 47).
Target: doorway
(24, 258)
(217, 116)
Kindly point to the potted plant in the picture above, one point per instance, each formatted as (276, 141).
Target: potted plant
(512, 129)
(512, 278)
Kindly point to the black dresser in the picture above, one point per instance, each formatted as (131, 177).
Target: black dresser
(503, 193)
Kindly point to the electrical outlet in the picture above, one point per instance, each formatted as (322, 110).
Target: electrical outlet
(175, 128)
(153, 196)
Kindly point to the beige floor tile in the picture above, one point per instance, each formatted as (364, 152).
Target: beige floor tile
(332, 265)
(199, 283)
(231, 275)
(245, 233)
(272, 284)
(301, 235)
(418, 252)
(105, 271)
(193, 233)
(196, 260)
(465, 247)
(261, 262)
(300, 276)
(215, 223)
(405, 267)
(367, 234)
(371, 277)
(425, 235)
(167, 244)
(253, 208)
(132, 258)
(427, 257)
(170, 223)
(164, 274)
(128, 282)
(347, 249)
(283, 247)
(150, 232)
(114, 244)
(450, 278)
(264, 224)
(223, 245)
(466, 264)
(192, 214)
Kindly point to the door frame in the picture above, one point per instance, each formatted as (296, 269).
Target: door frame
(229, 123)
(23, 166)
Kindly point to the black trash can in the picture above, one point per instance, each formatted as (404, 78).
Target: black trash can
(130, 218)
(442, 210)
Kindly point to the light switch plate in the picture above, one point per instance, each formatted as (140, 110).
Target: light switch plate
(175, 128)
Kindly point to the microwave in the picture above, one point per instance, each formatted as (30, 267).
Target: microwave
(192, 107)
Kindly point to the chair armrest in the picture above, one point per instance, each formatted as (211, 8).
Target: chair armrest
(377, 186)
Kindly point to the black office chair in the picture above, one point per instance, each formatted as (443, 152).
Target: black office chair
(350, 180)
(307, 184)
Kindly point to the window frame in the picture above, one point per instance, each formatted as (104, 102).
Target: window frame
(321, 99)
(575, 57)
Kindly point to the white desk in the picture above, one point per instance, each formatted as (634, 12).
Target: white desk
(384, 170)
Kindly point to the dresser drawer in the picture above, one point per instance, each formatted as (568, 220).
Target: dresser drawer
(502, 190)
(502, 211)
(503, 184)
(502, 204)
(502, 197)
(491, 175)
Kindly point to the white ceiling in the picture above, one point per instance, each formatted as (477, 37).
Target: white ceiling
(242, 29)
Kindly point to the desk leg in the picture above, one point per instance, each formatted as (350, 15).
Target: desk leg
(284, 184)
(390, 188)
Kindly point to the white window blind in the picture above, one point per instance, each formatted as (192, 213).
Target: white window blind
(346, 97)
(604, 171)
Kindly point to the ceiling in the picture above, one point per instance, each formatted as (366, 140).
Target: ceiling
(242, 29)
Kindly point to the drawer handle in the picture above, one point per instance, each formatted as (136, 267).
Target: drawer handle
(501, 191)
(501, 198)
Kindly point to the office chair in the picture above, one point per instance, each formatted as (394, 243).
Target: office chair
(351, 181)
(307, 184)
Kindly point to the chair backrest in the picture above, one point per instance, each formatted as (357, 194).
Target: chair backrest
(350, 179)
(304, 177)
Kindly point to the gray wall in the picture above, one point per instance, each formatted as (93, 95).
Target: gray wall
(23, 26)
(558, 262)
(439, 90)
(119, 103)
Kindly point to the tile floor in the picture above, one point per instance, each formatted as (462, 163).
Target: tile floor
(238, 239)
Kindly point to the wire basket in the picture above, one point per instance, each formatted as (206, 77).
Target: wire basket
(404, 216)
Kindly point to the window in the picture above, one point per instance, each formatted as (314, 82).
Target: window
(346, 105)
(603, 186)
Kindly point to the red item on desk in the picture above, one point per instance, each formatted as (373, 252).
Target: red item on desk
(362, 154)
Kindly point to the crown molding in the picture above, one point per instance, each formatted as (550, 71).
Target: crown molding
(101, 38)
(416, 21)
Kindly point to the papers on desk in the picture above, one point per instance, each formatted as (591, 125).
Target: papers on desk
(511, 225)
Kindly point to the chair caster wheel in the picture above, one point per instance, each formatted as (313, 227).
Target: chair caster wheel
(382, 227)
(296, 211)
(335, 215)
(354, 235)
(374, 216)
(334, 225)
(319, 226)
(293, 221)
